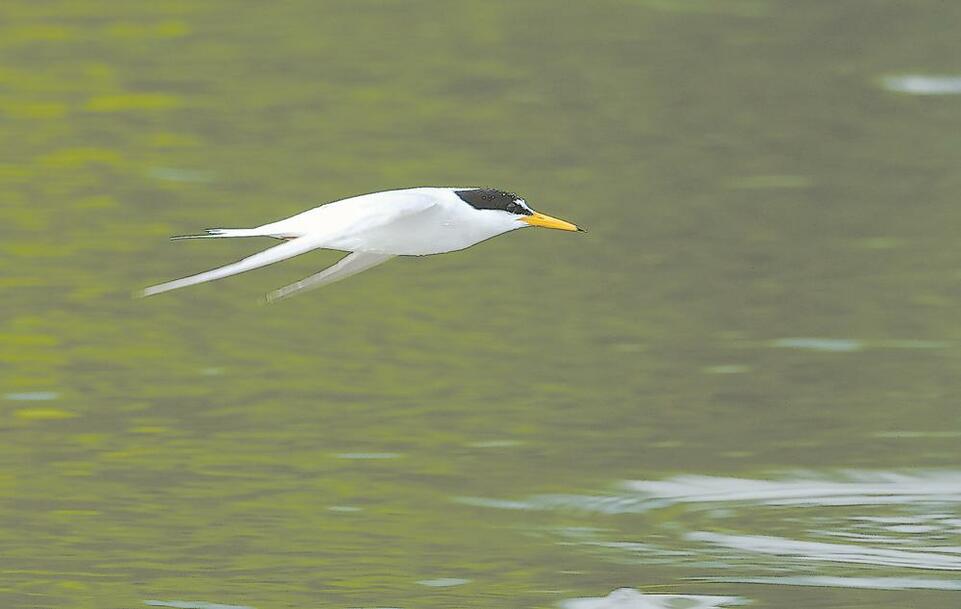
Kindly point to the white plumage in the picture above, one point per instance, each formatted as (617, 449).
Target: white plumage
(376, 227)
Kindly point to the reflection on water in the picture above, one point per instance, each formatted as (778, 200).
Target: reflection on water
(937, 558)
(820, 344)
(868, 583)
(443, 582)
(31, 396)
(850, 488)
(890, 523)
(850, 345)
(628, 598)
(193, 605)
(920, 84)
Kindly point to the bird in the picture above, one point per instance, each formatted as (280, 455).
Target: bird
(375, 227)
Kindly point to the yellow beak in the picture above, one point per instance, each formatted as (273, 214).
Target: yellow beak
(545, 221)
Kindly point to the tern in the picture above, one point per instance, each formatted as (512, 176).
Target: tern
(374, 228)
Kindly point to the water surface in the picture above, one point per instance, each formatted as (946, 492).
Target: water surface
(741, 384)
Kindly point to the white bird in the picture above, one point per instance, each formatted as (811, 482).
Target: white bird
(376, 227)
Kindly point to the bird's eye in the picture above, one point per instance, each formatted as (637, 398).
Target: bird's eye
(511, 207)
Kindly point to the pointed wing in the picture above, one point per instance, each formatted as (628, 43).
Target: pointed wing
(285, 250)
(351, 264)
(339, 220)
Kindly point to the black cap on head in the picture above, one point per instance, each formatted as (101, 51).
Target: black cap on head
(490, 198)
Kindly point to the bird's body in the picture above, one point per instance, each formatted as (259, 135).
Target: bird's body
(412, 222)
(376, 227)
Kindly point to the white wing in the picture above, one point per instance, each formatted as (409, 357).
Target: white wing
(341, 219)
(351, 264)
(351, 225)
(277, 253)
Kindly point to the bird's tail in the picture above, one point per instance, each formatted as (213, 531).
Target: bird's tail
(219, 233)
(287, 249)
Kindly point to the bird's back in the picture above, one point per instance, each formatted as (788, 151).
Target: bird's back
(414, 221)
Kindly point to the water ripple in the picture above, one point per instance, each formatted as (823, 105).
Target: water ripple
(852, 488)
(935, 558)
(193, 605)
(867, 583)
(799, 527)
(629, 598)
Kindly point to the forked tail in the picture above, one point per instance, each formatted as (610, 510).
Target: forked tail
(287, 249)
(217, 233)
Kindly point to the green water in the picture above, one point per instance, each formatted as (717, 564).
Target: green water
(768, 296)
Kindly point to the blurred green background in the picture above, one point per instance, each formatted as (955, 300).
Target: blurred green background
(768, 296)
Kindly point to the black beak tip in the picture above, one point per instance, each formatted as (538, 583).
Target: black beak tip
(581, 230)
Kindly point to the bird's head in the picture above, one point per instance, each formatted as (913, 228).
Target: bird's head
(512, 211)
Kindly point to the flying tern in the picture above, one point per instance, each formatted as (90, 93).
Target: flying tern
(376, 227)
